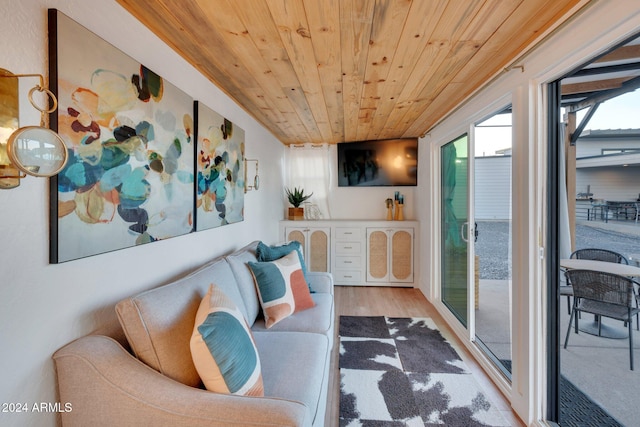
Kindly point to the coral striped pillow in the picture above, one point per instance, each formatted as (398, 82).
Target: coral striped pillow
(222, 347)
(281, 287)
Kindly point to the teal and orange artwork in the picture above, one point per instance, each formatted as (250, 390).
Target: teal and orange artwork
(130, 136)
(220, 170)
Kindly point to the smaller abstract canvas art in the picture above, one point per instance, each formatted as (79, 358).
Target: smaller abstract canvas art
(219, 168)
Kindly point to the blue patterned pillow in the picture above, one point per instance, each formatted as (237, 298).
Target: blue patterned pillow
(272, 253)
(281, 288)
(222, 348)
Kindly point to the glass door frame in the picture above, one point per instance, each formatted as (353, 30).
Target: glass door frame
(553, 257)
(477, 340)
(469, 328)
(452, 236)
(467, 335)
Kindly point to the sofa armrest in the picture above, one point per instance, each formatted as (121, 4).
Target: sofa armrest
(320, 282)
(106, 386)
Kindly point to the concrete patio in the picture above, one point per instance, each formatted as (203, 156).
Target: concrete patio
(598, 366)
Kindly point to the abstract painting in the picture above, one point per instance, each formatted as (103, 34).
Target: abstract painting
(129, 132)
(220, 170)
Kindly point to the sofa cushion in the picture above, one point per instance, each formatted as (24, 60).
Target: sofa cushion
(222, 347)
(282, 289)
(238, 262)
(318, 319)
(295, 366)
(158, 323)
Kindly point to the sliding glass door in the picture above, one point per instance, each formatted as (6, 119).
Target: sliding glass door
(476, 239)
(492, 141)
(454, 227)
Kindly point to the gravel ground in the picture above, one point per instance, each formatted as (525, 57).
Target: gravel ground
(492, 249)
(493, 239)
(590, 237)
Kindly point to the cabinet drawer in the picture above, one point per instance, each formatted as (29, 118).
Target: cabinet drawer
(348, 248)
(346, 262)
(348, 233)
(347, 276)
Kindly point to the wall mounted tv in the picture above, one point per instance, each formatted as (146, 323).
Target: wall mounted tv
(387, 162)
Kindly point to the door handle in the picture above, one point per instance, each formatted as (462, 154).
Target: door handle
(463, 235)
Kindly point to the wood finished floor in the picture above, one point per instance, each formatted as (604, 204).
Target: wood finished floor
(399, 302)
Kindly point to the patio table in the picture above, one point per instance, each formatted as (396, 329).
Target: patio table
(607, 267)
(617, 207)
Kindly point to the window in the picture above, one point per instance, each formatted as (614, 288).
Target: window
(308, 167)
(606, 151)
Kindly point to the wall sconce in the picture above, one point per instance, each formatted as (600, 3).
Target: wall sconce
(29, 150)
(256, 179)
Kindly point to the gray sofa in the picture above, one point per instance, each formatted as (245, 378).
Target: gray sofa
(154, 381)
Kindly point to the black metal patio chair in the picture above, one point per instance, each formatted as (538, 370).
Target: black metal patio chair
(603, 295)
(598, 254)
(595, 254)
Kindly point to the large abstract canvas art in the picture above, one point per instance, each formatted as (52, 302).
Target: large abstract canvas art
(129, 132)
(220, 170)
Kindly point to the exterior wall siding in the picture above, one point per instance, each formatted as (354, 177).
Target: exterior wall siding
(610, 183)
(493, 188)
(593, 147)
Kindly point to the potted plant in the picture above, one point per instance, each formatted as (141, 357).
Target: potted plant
(296, 198)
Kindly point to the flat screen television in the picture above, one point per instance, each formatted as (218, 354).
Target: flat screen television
(387, 162)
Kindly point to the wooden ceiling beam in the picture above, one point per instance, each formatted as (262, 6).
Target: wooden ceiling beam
(593, 86)
(598, 97)
(621, 54)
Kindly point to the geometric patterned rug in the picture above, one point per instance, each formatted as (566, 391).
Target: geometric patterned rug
(402, 372)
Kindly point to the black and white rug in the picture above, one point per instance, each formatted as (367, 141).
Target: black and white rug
(402, 372)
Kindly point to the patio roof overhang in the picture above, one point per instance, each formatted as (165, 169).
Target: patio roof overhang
(612, 74)
(622, 160)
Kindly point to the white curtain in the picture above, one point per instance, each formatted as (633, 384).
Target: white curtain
(308, 167)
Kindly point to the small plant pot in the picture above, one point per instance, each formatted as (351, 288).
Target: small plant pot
(296, 214)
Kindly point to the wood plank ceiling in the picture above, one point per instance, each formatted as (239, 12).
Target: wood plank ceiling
(350, 70)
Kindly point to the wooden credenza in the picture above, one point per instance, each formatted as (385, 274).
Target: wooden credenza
(358, 252)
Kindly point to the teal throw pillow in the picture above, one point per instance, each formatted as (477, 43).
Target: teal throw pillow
(281, 288)
(266, 253)
(223, 349)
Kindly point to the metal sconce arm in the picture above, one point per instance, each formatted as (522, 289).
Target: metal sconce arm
(256, 178)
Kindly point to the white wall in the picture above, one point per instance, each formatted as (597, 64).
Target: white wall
(368, 202)
(43, 306)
